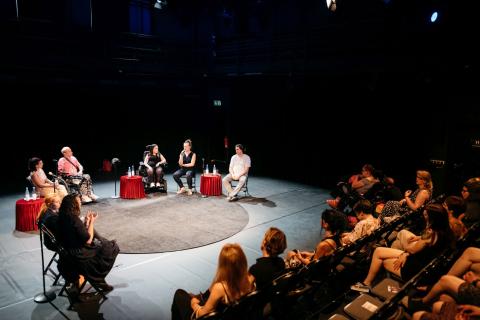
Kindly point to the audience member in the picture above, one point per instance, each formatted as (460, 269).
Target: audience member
(48, 217)
(334, 223)
(358, 184)
(270, 264)
(366, 222)
(455, 207)
(93, 255)
(471, 194)
(412, 200)
(231, 282)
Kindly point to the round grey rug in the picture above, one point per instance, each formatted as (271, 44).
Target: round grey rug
(167, 222)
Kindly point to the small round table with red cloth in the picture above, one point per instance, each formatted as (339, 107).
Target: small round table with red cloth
(26, 214)
(211, 184)
(131, 187)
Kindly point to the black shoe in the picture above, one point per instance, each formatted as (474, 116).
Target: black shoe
(105, 287)
(416, 304)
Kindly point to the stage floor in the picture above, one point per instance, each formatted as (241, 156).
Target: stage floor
(145, 283)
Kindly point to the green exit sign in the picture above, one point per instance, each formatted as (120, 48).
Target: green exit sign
(217, 103)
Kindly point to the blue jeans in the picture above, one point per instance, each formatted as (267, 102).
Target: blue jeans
(184, 172)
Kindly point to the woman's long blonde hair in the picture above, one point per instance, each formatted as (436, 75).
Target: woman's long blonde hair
(233, 270)
(427, 180)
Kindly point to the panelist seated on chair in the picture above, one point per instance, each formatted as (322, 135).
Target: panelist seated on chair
(39, 179)
(240, 164)
(72, 171)
(155, 162)
(93, 256)
(186, 161)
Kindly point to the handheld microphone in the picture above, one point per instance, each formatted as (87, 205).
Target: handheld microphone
(55, 160)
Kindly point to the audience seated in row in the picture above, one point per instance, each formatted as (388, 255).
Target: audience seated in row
(410, 253)
(461, 286)
(233, 280)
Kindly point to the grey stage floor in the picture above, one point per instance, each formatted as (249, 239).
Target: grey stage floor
(145, 283)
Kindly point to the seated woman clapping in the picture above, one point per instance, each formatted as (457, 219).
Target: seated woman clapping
(231, 282)
(334, 223)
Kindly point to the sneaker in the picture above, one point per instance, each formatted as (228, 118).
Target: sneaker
(234, 198)
(181, 190)
(86, 199)
(152, 185)
(94, 197)
(359, 286)
(229, 198)
(158, 184)
(189, 192)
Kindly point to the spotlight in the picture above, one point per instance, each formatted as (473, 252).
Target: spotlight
(332, 5)
(434, 17)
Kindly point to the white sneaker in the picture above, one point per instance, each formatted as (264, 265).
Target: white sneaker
(189, 192)
(360, 287)
(152, 185)
(158, 184)
(94, 197)
(86, 199)
(182, 190)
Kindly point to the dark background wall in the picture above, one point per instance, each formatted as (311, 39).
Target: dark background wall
(313, 95)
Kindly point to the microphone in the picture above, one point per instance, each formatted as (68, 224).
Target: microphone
(55, 160)
(51, 174)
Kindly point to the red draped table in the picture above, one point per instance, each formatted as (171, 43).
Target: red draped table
(131, 187)
(211, 184)
(26, 214)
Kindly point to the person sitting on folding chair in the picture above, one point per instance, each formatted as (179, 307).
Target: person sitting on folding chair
(48, 216)
(186, 161)
(240, 163)
(93, 255)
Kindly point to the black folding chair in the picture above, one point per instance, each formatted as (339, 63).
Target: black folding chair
(66, 258)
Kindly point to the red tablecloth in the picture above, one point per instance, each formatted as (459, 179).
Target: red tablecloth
(26, 214)
(211, 184)
(131, 187)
